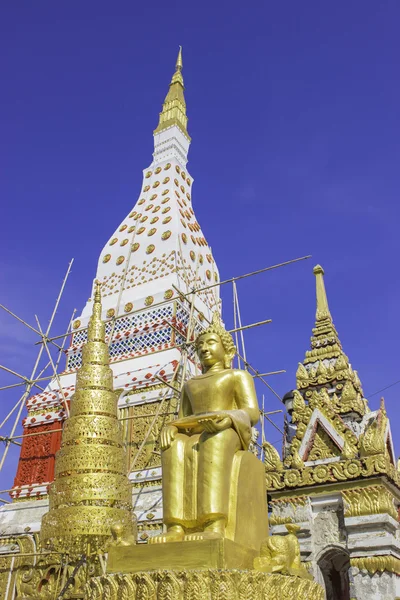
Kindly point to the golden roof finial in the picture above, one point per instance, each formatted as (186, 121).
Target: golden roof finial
(322, 300)
(174, 107)
(179, 63)
(97, 291)
(96, 327)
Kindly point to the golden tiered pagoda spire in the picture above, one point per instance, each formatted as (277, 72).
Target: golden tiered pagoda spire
(91, 493)
(330, 432)
(326, 365)
(174, 107)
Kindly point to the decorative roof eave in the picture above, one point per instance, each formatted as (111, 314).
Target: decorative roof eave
(334, 472)
(369, 455)
(174, 106)
(318, 418)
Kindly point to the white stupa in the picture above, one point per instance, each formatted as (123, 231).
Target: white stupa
(147, 269)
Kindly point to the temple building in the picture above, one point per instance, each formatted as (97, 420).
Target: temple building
(93, 435)
(338, 480)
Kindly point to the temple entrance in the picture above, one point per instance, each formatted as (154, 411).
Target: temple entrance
(335, 565)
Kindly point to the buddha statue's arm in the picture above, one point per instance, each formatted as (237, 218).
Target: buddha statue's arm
(245, 412)
(245, 395)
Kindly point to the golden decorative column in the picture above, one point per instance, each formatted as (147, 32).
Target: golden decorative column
(91, 496)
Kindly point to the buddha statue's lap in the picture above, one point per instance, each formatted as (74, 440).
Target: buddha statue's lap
(206, 458)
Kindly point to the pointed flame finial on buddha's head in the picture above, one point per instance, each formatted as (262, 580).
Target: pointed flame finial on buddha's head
(216, 327)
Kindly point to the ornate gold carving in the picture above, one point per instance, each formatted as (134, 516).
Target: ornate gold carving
(334, 472)
(272, 460)
(301, 373)
(375, 564)
(373, 440)
(322, 446)
(77, 324)
(369, 501)
(278, 520)
(195, 585)
(281, 554)
(298, 406)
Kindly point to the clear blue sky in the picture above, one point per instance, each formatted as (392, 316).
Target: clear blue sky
(294, 115)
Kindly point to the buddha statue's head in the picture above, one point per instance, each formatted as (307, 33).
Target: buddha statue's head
(215, 345)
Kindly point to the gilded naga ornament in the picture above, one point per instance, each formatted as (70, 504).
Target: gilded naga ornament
(281, 554)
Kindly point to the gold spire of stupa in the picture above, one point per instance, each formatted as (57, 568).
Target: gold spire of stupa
(91, 492)
(325, 342)
(174, 107)
(326, 364)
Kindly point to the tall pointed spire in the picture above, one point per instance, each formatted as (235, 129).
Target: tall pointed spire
(325, 341)
(179, 63)
(174, 107)
(326, 364)
(322, 301)
(91, 493)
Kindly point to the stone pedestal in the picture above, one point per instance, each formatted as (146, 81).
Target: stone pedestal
(209, 584)
(203, 554)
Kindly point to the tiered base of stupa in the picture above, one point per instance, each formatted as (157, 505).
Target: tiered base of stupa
(198, 570)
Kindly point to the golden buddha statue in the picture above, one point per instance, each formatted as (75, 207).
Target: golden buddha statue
(207, 467)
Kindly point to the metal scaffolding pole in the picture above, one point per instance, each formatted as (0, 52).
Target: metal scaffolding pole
(30, 383)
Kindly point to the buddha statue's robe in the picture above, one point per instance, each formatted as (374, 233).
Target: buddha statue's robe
(197, 466)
